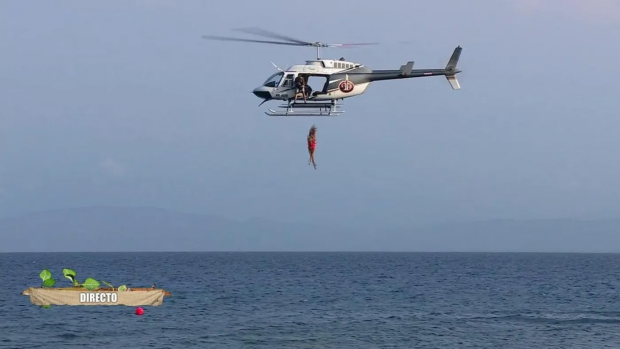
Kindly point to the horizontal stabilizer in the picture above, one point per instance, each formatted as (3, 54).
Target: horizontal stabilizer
(406, 69)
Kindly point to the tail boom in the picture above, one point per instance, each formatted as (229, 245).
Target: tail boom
(406, 72)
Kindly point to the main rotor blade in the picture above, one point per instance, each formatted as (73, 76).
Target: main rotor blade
(266, 33)
(351, 45)
(224, 38)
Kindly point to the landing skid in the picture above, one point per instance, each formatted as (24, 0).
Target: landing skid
(317, 109)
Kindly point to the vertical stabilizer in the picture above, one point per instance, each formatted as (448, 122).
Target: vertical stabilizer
(451, 70)
(454, 82)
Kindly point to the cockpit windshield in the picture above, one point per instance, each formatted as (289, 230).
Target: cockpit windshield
(273, 80)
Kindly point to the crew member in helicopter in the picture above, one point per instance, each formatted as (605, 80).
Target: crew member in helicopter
(300, 85)
(307, 88)
(312, 145)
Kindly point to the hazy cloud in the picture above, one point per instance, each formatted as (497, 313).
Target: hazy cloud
(587, 10)
(112, 168)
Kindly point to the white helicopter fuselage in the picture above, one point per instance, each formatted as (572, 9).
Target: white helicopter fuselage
(332, 75)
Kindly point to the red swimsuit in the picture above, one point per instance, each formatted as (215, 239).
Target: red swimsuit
(312, 144)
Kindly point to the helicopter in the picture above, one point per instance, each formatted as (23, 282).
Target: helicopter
(341, 78)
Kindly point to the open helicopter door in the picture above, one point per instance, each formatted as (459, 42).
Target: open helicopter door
(286, 90)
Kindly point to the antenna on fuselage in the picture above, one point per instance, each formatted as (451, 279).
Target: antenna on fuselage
(276, 66)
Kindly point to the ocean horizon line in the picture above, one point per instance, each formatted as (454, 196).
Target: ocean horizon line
(317, 252)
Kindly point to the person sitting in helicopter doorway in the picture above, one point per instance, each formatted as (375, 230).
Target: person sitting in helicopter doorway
(300, 85)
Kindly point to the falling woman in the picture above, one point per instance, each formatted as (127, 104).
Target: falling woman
(312, 145)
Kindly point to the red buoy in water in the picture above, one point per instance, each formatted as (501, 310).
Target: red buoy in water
(139, 311)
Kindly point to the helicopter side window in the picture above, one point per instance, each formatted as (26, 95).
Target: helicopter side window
(273, 80)
(288, 81)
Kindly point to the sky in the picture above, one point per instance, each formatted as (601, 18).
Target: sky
(120, 102)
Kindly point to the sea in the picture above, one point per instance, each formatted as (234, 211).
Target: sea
(323, 300)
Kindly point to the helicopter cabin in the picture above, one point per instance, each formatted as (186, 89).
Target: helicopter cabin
(316, 74)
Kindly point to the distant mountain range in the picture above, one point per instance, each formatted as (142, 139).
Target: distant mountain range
(102, 229)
